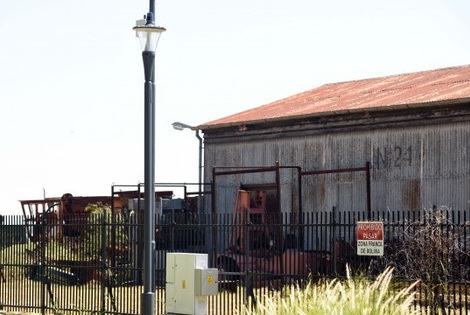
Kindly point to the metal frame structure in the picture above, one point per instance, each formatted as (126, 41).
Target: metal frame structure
(218, 171)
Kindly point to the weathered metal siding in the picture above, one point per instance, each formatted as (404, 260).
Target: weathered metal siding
(412, 168)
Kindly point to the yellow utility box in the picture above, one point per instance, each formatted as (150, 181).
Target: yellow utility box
(189, 283)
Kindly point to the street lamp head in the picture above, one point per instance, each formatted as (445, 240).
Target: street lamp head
(180, 126)
(148, 34)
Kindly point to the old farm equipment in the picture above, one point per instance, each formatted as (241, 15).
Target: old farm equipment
(85, 242)
(58, 217)
(270, 243)
(66, 216)
(111, 237)
(63, 220)
(258, 244)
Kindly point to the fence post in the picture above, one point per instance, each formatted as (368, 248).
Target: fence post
(43, 265)
(246, 250)
(333, 240)
(2, 276)
(248, 274)
(172, 231)
(103, 261)
(465, 248)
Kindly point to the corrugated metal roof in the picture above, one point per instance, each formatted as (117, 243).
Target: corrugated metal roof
(427, 88)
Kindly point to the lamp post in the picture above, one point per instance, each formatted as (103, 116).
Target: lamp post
(180, 126)
(149, 35)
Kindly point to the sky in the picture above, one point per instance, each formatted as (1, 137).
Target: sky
(72, 82)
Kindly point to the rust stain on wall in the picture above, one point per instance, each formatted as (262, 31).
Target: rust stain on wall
(411, 194)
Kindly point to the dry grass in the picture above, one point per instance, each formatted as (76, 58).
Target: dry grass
(353, 296)
(78, 298)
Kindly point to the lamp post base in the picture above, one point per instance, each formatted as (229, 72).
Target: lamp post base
(147, 303)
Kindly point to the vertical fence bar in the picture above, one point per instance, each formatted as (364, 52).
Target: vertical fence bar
(456, 258)
(43, 258)
(246, 257)
(319, 230)
(2, 272)
(334, 240)
(351, 239)
(103, 261)
(466, 250)
(343, 258)
(351, 230)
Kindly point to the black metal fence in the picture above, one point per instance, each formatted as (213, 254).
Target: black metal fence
(92, 263)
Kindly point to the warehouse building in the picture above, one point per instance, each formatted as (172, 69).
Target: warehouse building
(395, 143)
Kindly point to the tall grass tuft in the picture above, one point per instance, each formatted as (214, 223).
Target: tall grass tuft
(355, 295)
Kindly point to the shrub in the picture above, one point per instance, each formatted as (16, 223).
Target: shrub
(432, 249)
(100, 217)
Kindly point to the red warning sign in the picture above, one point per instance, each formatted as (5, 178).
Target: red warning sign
(370, 238)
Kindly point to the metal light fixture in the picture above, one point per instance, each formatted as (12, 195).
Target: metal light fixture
(149, 35)
(181, 126)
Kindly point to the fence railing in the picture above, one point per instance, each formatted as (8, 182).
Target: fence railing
(92, 263)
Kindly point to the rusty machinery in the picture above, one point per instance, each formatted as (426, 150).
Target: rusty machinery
(258, 242)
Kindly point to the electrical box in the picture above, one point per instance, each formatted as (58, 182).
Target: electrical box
(189, 283)
(206, 282)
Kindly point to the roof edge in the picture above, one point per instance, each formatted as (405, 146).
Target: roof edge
(339, 112)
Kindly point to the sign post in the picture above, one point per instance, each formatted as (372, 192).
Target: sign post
(370, 238)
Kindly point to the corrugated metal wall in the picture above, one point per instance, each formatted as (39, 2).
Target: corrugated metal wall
(412, 168)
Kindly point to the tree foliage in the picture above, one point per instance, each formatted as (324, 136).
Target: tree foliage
(105, 232)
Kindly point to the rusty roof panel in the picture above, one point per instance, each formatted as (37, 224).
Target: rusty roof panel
(427, 87)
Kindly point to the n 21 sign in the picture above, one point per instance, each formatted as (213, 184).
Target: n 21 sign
(370, 238)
